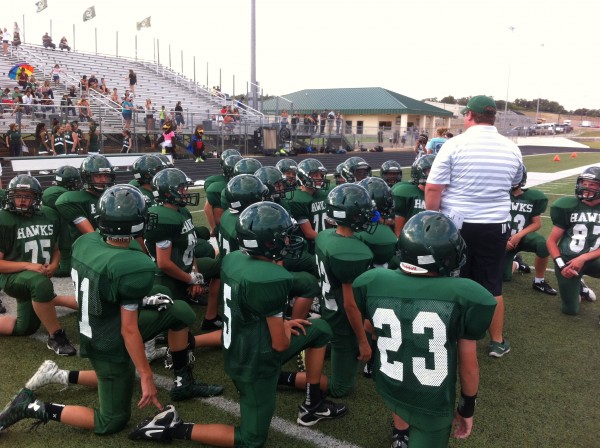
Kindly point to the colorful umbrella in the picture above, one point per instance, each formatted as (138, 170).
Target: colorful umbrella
(14, 72)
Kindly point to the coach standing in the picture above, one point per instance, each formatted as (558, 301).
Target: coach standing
(470, 181)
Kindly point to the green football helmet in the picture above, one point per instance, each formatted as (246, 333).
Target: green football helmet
(276, 182)
(431, 243)
(308, 169)
(246, 166)
(165, 159)
(68, 177)
(355, 169)
(145, 167)
(228, 165)
(380, 193)
(391, 172)
(266, 229)
(289, 169)
(351, 205)
(523, 180)
(96, 164)
(123, 213)
(227, 153)
(23, 183)
(420, 169)
(592, 173)
(171, 186)
(337, 174)
(244, 190)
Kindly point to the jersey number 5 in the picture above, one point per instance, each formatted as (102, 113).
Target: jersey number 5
(423, 320)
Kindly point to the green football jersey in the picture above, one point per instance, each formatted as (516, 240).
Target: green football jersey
(75, 206)
(418, 321)
(213, 187)
(148, 195)
(524, 207)
(409, 200)
(107, 277)
(340, 260)
(227, 236)
(581, 225)
(252, 290)
(382, 243)
(304, 207)
(29, 239)
(51, 195)
(175, 226)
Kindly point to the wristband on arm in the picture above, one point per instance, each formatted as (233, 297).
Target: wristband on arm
(560, 263)
(466, 405)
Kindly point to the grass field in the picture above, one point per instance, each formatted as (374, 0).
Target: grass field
(544, 393)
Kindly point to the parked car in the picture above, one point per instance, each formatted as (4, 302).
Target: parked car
(520, 131)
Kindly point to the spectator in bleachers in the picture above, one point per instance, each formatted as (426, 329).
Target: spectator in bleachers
(85, 111)
(42, 140)
(72, 92)
(47, 41)
(22, 78)
(16, 93)
(179, 115)
(18, 109)
(149, 118)
(103, 88)
(28, 102)
(83, 83)
(228, 123)
(47, 104)
(132, 77)
(66, 106)
(63, 44)
(93, 141)
(55, 72)
(46, 88)
(16, 36)
(5, 41)
(127, 111)
(284, 117)
(162, 115)
(236, 114)
(5, 99)
(115, 96)
(80, 140)
(13, 140)
(93, 82)
(35, 88)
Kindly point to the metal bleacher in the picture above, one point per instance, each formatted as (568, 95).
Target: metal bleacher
(161, 84)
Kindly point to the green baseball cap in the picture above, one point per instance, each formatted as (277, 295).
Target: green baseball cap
(480, 104)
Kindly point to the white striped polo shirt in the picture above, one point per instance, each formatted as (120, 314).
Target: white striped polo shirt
(478, 169)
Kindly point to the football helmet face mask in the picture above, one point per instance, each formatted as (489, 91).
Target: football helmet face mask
(337, 175)
(391, 172)
(355, 169)
(146, 167)
(289, 169)
(246, 166)
(97, 173)
(244, 190)
(380, 193)
(24, 195)
(228, 165)
(123, 213)
(591, 190)
(171, 187)
(312, 174)
(276, 182)
(351, 205)
(68, 177)
(431, 243)
(266, 229)
(420, 169)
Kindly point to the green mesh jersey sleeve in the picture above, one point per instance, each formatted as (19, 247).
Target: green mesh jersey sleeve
(560, 212)
(213, 193)
(300, 206)
(51, 195)
(253, 290)
(408, 200)
(73, 205)
(212, 179)
(382, 243)
(227, 237)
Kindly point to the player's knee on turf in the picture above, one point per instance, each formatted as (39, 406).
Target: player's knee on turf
(27, 321)
(104, 424)
(183, 313)
(323, 333)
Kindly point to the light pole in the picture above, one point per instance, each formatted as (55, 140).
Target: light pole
(537, 111)
(512, 29)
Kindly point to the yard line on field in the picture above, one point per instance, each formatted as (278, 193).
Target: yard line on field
(283, 426)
